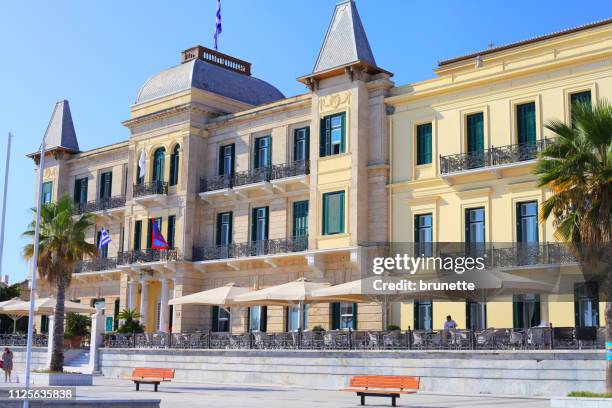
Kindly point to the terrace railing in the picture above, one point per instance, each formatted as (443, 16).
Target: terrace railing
(100, 205)
(536, 338)
(96, 265)
(20, 340)
(252, 248)
(152, 188)
(147, 255)
(243, 178)
(495, 156)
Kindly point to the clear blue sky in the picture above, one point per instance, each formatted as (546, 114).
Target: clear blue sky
(97, 54)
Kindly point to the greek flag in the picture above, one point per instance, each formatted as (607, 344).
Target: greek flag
(104, 238)
(218, 24)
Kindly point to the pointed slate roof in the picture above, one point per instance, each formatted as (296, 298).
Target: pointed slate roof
(60, 131)
(345, 41)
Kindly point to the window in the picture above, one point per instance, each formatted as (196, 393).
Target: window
(137, 235)
(226, 160)
(258, 316)
(158, 222)
(47, 190)
(44, 324)
(423, 234)
(259, 229)
(333, 213)
(80, 191)
(170, 233)
(333, 135)
(224, 228)
(103, 252)
(116, 316)
(526, 311)
(526, 123)
(174, 166)
(159, 158)
(293, 318)
(527, 222)
(301, 144)
(583, 97)
(300, 218)
(106, 185)
(423, 133)
(344, 316)
(139, 180)
(263, 152)
(220, 319)
(475, 139)
(423, 312)
(586, 304)
(476, 315)
(475, 225)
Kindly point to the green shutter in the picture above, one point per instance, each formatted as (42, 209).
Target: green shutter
(221, 160)
(264, 319)
(525, 123)
(116, 315)
(307, 152)
(333, 213)
(219, 221)
(170, 231)
(300, 218)
(335, 316)
(424, 143)
(150, 232)
(137, 234)
(475, 133)
(215, 319)
(324, 139)
(355, 316)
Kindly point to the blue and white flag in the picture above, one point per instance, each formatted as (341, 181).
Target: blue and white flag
(218, 24)
(105, 239)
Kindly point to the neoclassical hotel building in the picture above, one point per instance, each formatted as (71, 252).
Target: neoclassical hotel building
(252, 187)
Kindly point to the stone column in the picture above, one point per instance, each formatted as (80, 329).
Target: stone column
(51, 326)
(144, 301)
(163, 308)
(96, 340)
(132, 294)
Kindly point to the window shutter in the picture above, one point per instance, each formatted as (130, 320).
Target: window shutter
(170, 230)
(150, 232)
(343, 138)
(221, 160)
(264, 318)
(536, 319)
(256, 155)
(307, 152)
(415, 312)
(267, 215)
(355, 317)
(287, 315)
(218, 238)
(137, 234)
(335, 316)
(215, 319)
(116, 314)
(231, 227)
(323, 138)
(249, 328)
(254, 224)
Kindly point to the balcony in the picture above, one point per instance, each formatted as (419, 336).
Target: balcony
(491, 160)
(266, 250)
(154, 192)
(147, 256)
(279, 177)
(96, 265)
(111, 207)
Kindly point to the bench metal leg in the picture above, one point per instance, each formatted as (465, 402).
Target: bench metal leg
(137, 386)
(393, 401)
(156, 384)
(362, 399)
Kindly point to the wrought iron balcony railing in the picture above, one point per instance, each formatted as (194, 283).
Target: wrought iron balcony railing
(275, 172)
(100, 205)
(147, 255)
(495, 156)
(96, 265)
(152, 188)
(252, 248)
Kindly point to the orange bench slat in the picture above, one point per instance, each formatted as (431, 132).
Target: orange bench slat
(385, 381)
(154, 373)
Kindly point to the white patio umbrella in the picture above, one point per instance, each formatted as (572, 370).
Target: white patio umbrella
(12, 316)
(298, 292)
(222, 296)
(45, 306)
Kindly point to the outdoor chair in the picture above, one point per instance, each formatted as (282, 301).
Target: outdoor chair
(563, 337)
(434, 340)
(373, 341)
(516, 340)
(419, 340)
(262, 340)
(501, 338)
(459, 339)
(586, 336)
(392, 339)
(538, 337)
(601, 338)
(485, 339)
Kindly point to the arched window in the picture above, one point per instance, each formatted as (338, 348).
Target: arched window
(174, 166)
(158, 164)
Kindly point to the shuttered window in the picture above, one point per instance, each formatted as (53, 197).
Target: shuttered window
(263, 152)
(301, 139)
(80, 190)
(583, 97)
(423, 133)
(170, 232)
(47, 191)
(174, 165)
(137, 235)
(106, 185)
(333, 213)
(333, 135)
(525, 123)
(224, 228)
(226, 159)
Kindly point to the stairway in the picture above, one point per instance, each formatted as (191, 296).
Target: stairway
(77, 361)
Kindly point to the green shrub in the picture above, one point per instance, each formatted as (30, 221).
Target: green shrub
(318, 328)
(393, 327)
(77, 325)
(588, 394)
(130, 322)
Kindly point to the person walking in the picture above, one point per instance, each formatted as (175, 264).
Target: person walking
(7, 364)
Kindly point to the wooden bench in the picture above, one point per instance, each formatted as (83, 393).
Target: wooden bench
(382, 386)
(151, 376)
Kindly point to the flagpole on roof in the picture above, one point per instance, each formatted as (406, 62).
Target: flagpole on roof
(41, 168)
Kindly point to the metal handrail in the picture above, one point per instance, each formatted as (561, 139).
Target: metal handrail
(147, 255)
(99, 205)
(152, 188)
(251, 248)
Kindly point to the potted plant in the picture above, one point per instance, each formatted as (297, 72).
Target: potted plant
(393, 327)
(77, 327)
(130, 322)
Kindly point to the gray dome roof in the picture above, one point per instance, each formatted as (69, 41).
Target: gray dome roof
(211, 78)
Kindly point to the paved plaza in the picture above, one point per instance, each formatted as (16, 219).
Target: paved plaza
(192, 395)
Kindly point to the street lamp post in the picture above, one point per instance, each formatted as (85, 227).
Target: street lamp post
(41, 168)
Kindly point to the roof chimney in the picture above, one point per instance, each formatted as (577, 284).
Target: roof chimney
(217, 58)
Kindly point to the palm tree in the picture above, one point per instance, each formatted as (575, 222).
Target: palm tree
(61, 245)
(577, 167)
